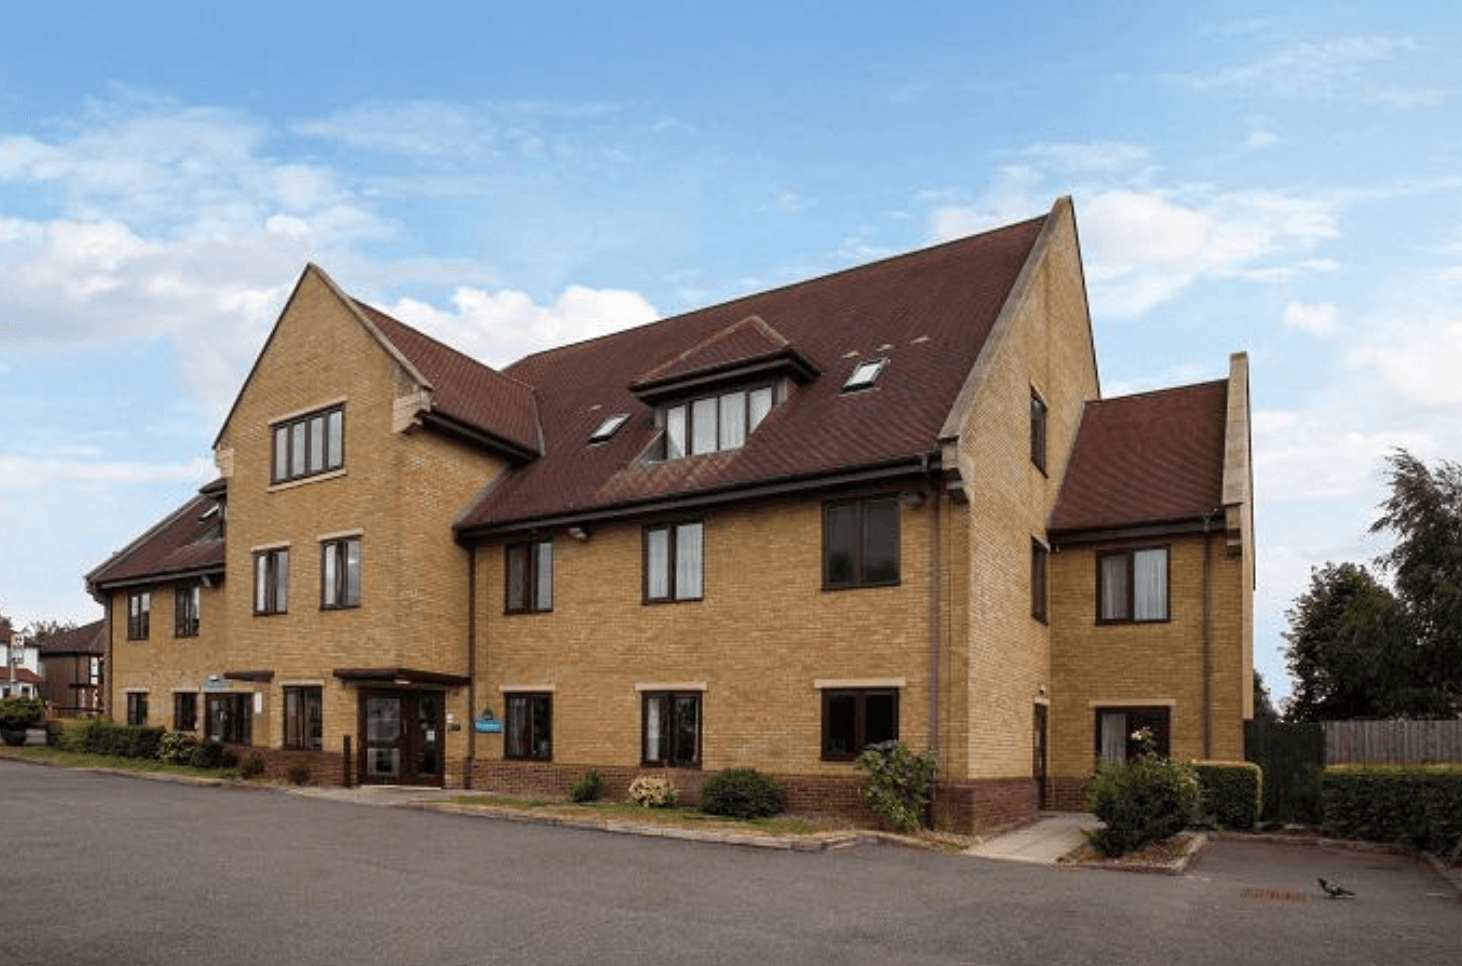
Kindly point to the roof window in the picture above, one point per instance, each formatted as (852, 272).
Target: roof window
(609, 427)
(865, 374)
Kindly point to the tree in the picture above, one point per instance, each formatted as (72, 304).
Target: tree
(39, 631)
(1263, 704)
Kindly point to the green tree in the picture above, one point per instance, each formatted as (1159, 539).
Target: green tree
(1264, 709)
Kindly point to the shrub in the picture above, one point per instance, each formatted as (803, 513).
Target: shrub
(207, 754)
(14, 737)
(177, 747)
(21, 713)
(741, 793)
(588, 787)
(653, 791)
(253, 765)
(1141, 801)
(899, 782)
(54, 730)
(299, 774)
(1232, 793)
(143, 742)
(1419, 806)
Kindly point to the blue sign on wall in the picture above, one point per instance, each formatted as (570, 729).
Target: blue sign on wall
(488, 726)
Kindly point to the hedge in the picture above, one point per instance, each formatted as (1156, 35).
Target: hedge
(1232, 793)
(1417, 806)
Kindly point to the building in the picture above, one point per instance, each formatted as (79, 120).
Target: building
(885, 503)
(20, 675)
(72, 670)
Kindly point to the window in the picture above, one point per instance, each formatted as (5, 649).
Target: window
(340, 573)
(529, 577)
(185, 710)
(1038, 431)
(186, 598)
(853, 719)
(137, 708)
(670, 732)
(529, 727)
(271, 581)
(1116, 729)
(714, 423)
(302, 718)
(860, 543)
(231, 718)
(673, 555)
(609, 427)
(1132, 586)
(1038, 580)
(139, 607)
(865, 374)
(309, 445)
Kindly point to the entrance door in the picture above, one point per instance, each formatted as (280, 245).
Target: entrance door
(1038, 767)
(402, 742)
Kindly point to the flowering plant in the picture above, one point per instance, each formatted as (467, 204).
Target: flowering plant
(653, 791)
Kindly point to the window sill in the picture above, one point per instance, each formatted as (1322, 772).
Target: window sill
(281, 485)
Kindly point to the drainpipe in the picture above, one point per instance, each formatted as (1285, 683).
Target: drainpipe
(471, 666)
(1206, 632)
(936, 585)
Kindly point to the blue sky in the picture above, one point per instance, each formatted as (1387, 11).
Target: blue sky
(1284, 179)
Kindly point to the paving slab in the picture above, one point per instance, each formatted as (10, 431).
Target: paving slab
(1042, 842)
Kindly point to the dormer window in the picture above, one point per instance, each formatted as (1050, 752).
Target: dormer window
(712, 423)
(608, 428)
(865, 374)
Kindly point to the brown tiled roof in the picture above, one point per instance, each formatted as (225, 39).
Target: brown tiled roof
(189, 540)
(86, 639)
(740, 344)
(1147, 459)
(463, 388)
(928, 313)
(24, 675)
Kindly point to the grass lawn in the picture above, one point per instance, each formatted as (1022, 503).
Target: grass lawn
(81, 759)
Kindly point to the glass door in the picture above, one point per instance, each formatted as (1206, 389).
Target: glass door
(403, 737)
(381, 751)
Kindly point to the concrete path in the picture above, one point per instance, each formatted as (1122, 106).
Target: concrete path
(1043, 841)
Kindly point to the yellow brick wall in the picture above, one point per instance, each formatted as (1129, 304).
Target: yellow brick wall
(164, 663)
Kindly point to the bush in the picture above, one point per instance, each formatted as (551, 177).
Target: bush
(653, 791)
(1232, 793)
(299, 774)
(207, 754)
(253, 765)
(1419, 807)
(1141, 801)
(53, 733)
(177, 747)
(899, 782)
(21, 713)
(14, 737)
(741, 793)
(144, 742)
(588, 787)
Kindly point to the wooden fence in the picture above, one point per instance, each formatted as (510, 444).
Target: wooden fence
(1393, 742)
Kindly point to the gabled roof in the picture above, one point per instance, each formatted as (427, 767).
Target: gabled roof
(86, 639)
(1145, 460)
(742, 348)
(928, 313)
(24, 675)
(188, 542)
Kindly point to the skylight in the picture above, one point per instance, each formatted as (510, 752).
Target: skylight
(609, 427)
(864, 375)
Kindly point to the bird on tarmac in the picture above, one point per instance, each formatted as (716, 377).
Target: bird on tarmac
(1333, 891)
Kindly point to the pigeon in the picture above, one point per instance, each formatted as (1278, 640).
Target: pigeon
(1333, 891)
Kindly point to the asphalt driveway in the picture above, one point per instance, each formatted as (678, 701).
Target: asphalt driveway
(109, 869)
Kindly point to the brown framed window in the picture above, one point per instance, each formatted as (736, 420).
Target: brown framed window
(674, 557)
(303, 720)
(528, 577)
(139, 615)
(1119, 730)
(271, 581)
(1132, 586)
(860, 543)
(340, 573)
(670, 729)
(186, 599)
(1038, 431)
(854, 718)
(308, 445)
(713, 423)
(529, 727)
(137, 708)
(185, 710)
(231, 718)
(1039, 555)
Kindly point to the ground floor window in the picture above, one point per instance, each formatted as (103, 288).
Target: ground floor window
(530, 727)
(231, 718)
(303, 726)
(854, 718)
(670, 730)
(137, 707)
(185, 711)
(1117, 731)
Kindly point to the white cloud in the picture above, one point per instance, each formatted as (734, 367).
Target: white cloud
(1421, 365)
(1321, 455)
(1090, 156)
(1312, 318)
(61, 469)
(1310, 69)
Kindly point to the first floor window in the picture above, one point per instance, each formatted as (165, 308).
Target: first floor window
(1119, 732)
(860, 542)
(670, 733)
(139, 609)
(673, 557)
(185, 710)
(1132, 586)
(1038, 580)
(185, 609)
(530, 727)
(137, 708)
(529, 577)
(302, 718)
(231, 718)
(340, 573)
(271, 581)
(854, 718)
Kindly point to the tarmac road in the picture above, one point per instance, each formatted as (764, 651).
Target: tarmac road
(106, 869)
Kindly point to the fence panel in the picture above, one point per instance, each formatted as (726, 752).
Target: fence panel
(1393, 742)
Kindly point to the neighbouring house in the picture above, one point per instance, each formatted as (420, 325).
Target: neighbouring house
(887, 503)
(20, 675)
(72, 666)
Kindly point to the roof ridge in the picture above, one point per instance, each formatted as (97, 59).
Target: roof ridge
(1162, 391)
(366, 306)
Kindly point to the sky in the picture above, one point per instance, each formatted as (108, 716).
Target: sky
(1281, 179)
